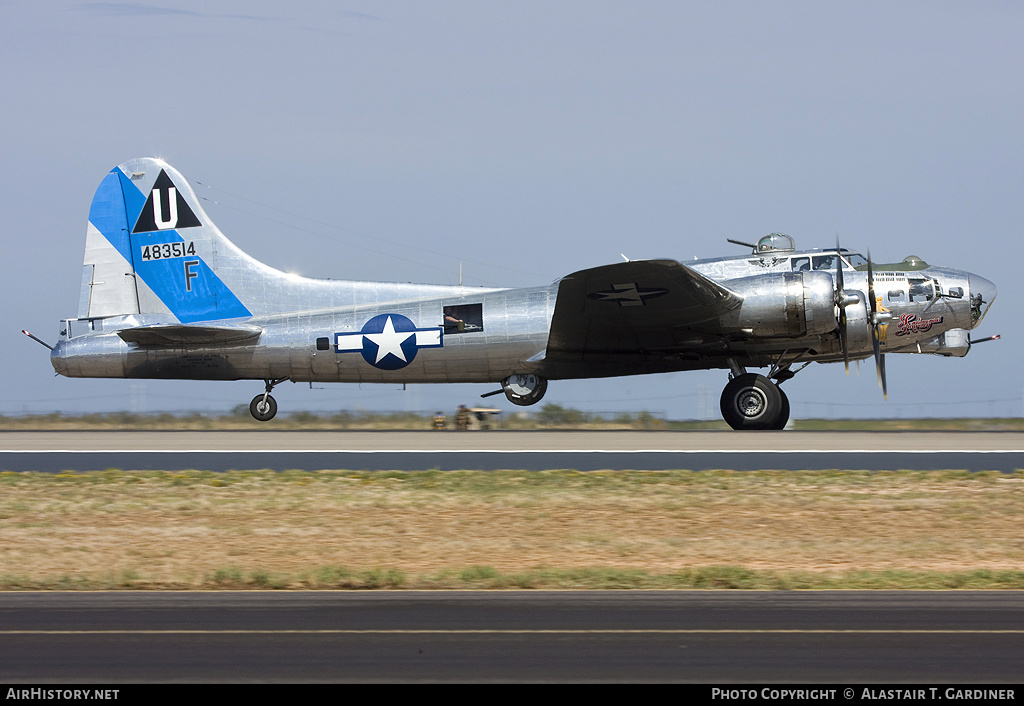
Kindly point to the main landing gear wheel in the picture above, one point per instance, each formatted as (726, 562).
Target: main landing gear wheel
(752, 401)
(524, 390)
(780, 423)
(263, 408)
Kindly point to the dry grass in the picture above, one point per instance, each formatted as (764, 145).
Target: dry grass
(338, 528)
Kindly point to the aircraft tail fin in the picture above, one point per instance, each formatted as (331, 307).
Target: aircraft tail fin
(151, 249)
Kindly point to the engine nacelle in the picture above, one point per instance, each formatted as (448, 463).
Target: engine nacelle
(785, 304)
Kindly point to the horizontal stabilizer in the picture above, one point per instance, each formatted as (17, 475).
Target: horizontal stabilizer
(177, 334)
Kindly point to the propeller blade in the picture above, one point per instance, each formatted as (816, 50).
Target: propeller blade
(843, 338)
(871, 289)
(875, 328)
(881, 376)
(839, 270)
(840, 302)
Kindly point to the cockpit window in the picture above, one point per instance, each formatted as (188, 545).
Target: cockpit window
(824, 262)
(850, 260)
(801, 264)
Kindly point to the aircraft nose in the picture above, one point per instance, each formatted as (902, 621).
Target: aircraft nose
(983, 293)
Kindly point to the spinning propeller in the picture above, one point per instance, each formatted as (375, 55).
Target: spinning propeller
(876, 318)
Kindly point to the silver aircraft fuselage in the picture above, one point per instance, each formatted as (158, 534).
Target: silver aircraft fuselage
(518, 322)
(287, 346)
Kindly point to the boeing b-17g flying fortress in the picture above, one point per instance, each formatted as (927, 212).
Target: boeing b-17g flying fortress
(165, 295)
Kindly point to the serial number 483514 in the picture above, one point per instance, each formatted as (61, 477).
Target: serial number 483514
(162, 251)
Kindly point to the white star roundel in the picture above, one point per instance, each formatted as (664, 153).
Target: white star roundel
(389, 341)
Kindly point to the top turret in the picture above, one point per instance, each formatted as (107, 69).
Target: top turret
(773, 243)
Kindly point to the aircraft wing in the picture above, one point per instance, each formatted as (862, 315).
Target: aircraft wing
(632, 308)
(184, 334)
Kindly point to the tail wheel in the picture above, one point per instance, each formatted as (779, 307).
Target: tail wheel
(261, 409)
(751, 401)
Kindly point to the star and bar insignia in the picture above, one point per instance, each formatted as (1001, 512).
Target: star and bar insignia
(389, 341)
(627, 294)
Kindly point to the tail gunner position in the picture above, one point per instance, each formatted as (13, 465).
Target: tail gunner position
(166, 295)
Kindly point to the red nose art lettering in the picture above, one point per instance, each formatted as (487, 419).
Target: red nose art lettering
(909, 323)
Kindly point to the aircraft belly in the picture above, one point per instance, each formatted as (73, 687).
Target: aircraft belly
(107, 356)
(184, 364)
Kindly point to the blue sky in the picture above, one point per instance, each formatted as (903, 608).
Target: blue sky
(390, 141)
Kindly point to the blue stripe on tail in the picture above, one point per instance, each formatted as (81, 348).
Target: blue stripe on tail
(185, 283)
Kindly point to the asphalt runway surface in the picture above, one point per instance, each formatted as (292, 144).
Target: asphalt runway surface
(721, 638)
(581, 450)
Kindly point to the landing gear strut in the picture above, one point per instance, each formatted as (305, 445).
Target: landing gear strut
(263, 407)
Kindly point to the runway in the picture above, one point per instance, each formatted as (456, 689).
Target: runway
(583, 450)
(839, 637)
